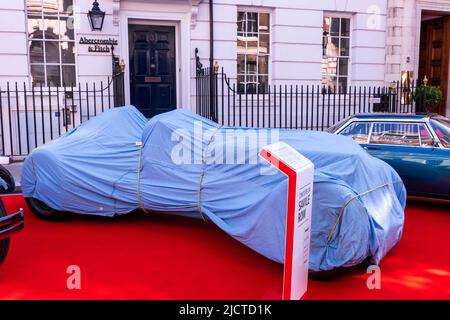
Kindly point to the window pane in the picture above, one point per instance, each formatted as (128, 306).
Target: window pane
(51, 7)
(345, 27)
(263, 65)
(66, 7)
(68, 75)
(326, 26)
(251, 64)
(66, 27)
(251, 78)
(67, 52)
(241, 22)
(332, 49)
(334, 28)
(241, 63)
(395, 134)
(331, 84)
(241, 83)
(324, 81)
(253, 48)
(359, 131)
(35, 28)
(50, 21)
(51, 25)
(330, 66)
(52, 51)
(252, 43)
(53, 76)
(34, 6)
(36, 50)
(252, 22)
(251, 87)
(343, 66)
(263, 43)
(264, 22)
(263, 84)
(241, 45)
(345, 47)
(37, 74)
(342, 85)
(336, 50)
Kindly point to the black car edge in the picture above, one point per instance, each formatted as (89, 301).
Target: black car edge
(9, 224)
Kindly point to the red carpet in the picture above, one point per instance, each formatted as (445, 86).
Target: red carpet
(152, 256)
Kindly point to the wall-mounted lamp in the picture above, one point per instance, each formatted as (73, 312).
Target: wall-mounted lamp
(96, 17)
(122, 66)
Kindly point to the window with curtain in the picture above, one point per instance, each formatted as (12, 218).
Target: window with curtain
(253, 51)
(51, 42)
(336, 53)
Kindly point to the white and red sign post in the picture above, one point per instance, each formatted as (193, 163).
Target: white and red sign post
(300, 172)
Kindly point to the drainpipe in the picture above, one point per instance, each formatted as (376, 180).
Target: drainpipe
(211, 60)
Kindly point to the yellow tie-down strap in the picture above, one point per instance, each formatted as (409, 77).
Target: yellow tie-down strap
(353, 198)
(199, 206)
(141, 204)
(199, 190)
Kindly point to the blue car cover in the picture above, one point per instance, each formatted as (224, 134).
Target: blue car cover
(181, 163)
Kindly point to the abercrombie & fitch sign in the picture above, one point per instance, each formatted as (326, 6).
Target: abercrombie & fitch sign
(98, 45)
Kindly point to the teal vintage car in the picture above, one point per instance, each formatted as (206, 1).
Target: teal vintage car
(417, 146)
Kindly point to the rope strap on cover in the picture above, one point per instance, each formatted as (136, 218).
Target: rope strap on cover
(353, 198)
(141, 204)
(199, 190)
(32, 163)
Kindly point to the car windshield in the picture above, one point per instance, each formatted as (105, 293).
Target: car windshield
(441, 126)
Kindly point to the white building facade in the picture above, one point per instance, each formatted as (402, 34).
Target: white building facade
(336, 43)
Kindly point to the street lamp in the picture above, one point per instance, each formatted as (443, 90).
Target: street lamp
(96, 17)
(122, 66)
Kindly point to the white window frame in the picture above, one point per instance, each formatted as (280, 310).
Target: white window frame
(257, 10)
(350, 37)
(60, 63)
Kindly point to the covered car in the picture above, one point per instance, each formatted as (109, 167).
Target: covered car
(181, 163)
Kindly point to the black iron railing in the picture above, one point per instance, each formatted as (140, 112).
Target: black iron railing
(310, 107)
(32, 116)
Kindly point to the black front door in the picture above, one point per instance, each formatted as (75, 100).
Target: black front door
(152, 68)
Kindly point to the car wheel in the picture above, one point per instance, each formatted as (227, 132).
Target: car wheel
(4, 244)
(43, 211)
(8, 178)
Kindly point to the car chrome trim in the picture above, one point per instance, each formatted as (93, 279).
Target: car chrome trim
(11, 224)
